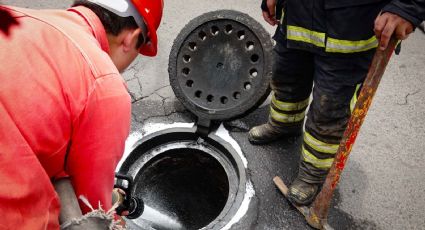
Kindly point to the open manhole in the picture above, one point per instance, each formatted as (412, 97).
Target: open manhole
(190, 178)
(186, 181)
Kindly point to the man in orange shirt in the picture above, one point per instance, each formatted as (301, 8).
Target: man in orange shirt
(64, 108)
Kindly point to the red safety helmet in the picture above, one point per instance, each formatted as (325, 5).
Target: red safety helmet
(151, 11)
(146, 13)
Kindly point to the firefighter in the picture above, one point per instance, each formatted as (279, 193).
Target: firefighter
(64, 108)
(324, 48)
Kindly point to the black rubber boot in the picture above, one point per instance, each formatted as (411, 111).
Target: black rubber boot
(302, 193)
(264, 134)
(267, 133)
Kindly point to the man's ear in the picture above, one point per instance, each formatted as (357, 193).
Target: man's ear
(130, 39)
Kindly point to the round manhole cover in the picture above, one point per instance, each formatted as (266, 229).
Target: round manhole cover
(220, 65)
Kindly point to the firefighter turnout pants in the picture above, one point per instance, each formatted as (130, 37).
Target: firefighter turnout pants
(334, 82)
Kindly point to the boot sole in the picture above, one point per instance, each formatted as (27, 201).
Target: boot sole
(264, 142)
(260, 142)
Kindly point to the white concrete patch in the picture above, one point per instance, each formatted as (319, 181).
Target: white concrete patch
(150, 128)
(244, 206)
(129, 146)
(249, 189)
(225, 135)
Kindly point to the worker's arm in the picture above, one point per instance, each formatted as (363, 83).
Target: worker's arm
(398, 19)
(272, 11)
(269, 11)
(98, 142)
(411, 10)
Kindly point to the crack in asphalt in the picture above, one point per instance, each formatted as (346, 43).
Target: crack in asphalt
(166, 116)
(154, 92)
(406, 101)
(163, 99)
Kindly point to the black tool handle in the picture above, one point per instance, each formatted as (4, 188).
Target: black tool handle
(133, 204)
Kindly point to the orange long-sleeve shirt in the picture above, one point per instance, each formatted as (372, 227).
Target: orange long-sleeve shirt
(64, 110)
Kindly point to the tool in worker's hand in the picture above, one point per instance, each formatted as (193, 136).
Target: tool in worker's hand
(122, 195)
(316, 215)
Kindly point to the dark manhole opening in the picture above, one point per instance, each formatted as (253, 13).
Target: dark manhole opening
(187, 185)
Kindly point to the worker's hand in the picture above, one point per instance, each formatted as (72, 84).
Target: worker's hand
(118, 196)
(270, 15)
(388, 25)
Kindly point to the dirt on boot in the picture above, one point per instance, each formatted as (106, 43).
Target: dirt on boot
(302, 193)
(268, 133)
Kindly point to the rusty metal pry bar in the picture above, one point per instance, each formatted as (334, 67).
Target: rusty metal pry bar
(316, 215)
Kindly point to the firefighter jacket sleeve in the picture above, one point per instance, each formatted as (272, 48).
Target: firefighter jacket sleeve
(98, 142)
(411, 10)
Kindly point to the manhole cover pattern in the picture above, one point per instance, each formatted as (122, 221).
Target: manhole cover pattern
(219, 67)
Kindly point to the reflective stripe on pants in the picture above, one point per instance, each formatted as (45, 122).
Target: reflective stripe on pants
(335, 82)
(316, 162)
(320, 146)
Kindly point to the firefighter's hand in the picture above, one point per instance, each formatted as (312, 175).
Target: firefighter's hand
(389, 24)
(270, 15)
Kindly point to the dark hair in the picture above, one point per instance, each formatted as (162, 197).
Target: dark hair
(112, 23)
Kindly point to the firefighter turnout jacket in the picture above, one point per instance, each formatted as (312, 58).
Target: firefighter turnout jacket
(338, 26)
(324, 48)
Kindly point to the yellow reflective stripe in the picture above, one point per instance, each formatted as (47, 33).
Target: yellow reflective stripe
(316, 162)
(319, 145)
(286, 118)
(288, 106)
(354, 99)
(346, 46)
(304, 35)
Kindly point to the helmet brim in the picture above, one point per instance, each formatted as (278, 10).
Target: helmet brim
(150, 48)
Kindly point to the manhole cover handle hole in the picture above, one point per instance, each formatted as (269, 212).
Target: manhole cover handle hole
(215, 30)
(224, 100)
(198, 94)
(229, 29)
(241, 35)
(186, 71)
(236, 95)
(253, 72)
(189, 83)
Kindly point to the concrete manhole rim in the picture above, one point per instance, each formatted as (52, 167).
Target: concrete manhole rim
(225, 154)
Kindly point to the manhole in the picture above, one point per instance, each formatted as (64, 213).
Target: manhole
(186, 181)
(190, 178)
